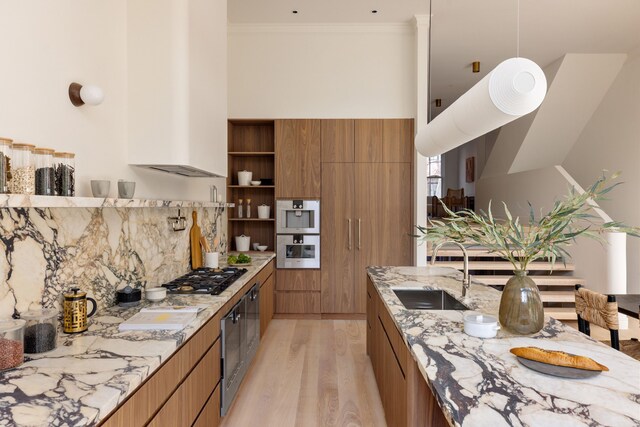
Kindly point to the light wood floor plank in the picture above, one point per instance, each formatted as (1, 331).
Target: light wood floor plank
(309, 373)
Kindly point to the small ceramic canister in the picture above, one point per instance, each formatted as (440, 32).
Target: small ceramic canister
(481, 325)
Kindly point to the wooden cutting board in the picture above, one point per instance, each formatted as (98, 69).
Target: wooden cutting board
(194, 235)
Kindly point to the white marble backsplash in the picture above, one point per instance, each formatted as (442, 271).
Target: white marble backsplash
(47, 251)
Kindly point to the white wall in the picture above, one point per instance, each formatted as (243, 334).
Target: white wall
(321, 71)
(47, 45)
(610, 140)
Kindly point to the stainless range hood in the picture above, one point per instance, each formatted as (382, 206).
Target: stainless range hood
(183, 170)
(177, 86)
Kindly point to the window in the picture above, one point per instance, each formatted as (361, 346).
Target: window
(434, 176)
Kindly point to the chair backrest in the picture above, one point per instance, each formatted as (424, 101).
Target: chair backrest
(597, 308)
(457, 193)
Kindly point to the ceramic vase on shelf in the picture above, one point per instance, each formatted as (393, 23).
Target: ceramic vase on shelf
(521, 309)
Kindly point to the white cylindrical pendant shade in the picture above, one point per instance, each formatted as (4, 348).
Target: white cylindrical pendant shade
(514, 88)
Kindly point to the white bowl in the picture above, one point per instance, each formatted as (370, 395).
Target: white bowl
(481, 325)
(155, 294)
(262, 248)
(255, 183)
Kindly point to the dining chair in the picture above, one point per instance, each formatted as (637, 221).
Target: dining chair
(599, 309)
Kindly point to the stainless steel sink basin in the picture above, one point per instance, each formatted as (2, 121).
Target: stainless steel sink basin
(426, 299)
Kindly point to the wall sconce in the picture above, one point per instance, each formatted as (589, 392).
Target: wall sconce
(475, 66)
(80, 95)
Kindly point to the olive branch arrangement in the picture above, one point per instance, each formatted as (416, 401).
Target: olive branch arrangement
(546, 237)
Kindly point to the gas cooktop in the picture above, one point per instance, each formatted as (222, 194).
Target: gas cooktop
(205, 281)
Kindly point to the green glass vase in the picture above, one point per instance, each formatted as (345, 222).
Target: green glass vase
(521, 309)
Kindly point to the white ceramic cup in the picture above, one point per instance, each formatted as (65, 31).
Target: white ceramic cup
(264, 211)
(211, 259)
(244, 177)
(155, 294)
(243, 243)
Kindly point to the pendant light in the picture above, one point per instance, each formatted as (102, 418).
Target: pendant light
(516, 87)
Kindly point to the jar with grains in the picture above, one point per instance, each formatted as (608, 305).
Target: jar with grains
(41, 330)
(11, 343)
(64, 165)
(45, 175)
(23, 172)
(5, 164)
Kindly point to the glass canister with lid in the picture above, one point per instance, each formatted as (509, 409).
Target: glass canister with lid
(45, 176)
(23, 172)
(41, 330)
(11, 343)
(65, 174)
(5, 164)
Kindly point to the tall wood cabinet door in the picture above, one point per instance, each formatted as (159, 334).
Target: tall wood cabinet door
(339, 293)
(368, 140)
(397, 137)
(298, 151)
(337, 140)
(383, 219)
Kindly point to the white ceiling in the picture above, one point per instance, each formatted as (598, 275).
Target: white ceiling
(324, 11)
(467, 30)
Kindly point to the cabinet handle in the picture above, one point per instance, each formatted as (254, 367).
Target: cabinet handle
(349, 222)
(359, 235)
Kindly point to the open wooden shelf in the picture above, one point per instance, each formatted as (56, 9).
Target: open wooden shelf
(251, 153)
(251, 147)
(252, 219)
(251, 186)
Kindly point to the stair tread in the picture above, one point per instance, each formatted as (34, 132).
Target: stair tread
(561, 313)
(542, 280)
(557, 296)
(505, 265)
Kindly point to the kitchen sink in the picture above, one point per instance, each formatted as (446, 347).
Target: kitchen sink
(426, 299)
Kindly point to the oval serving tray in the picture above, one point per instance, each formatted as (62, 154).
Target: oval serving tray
(240, 264)
(557, 371)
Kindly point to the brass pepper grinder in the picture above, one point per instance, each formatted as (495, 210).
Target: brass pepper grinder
(75, 311)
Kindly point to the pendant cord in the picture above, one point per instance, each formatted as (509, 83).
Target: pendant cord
(518, 30)
(429, 65)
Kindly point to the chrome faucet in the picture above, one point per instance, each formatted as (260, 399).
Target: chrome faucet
(466, 280)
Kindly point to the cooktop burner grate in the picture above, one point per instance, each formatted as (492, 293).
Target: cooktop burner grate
(205, 281)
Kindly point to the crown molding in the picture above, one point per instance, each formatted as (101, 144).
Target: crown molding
(398, 28)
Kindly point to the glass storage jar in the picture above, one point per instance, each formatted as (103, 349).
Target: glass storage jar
(23, 172)
(11, 343)
(45, 176)
(65, 171)
(5, 164)
(41, 330)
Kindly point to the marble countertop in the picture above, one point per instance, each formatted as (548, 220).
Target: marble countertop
(32, 201)
(88, 375)
(478, 382)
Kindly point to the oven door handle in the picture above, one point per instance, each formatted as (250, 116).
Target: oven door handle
(349, 222)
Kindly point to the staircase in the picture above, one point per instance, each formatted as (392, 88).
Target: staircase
(556, 284)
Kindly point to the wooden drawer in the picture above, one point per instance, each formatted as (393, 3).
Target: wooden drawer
(185, 404)
(149, 397)
(210, 415)
(264, 274)
(266, 304)
(397, 342)
(298, 280)
(297, 302)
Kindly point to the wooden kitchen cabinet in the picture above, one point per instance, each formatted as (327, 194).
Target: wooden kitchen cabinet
(395, 134)
(405, 395)
(366, 220)
(298, 153)
(337, 258)
(338, 140)
(368, 140)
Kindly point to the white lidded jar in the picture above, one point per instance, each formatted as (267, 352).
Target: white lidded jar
(481, 325)
(244, 177)
(243, 243)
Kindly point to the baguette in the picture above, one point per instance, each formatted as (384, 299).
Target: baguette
(558, 358)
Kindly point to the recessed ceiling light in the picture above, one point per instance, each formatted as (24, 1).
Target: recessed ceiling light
(294, 11)
(374, 11)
